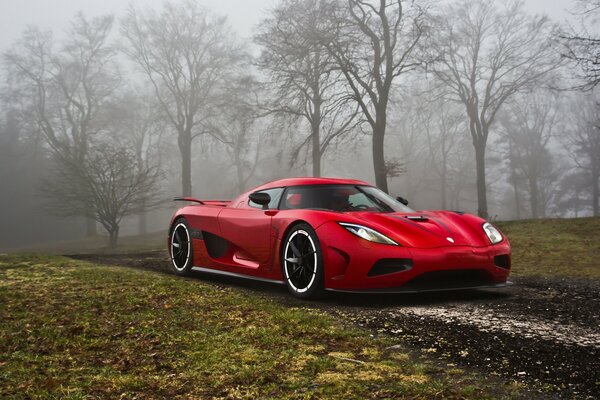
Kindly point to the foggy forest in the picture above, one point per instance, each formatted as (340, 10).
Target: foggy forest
(479, 106)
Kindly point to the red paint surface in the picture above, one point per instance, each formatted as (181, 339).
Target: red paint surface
(255, 237)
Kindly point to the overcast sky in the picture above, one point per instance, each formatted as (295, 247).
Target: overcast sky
(15, 15)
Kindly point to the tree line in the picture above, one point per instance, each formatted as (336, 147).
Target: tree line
(448, 102)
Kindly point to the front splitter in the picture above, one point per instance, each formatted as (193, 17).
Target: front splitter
(421, 290)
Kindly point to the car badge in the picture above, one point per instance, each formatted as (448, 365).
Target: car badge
(450, 239)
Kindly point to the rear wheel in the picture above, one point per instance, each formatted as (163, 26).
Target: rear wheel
(302, 262)
(180, 248)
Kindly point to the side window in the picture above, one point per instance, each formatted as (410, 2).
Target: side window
(275, 196)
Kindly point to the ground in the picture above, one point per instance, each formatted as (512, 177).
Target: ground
(75, 329)
(538, 338)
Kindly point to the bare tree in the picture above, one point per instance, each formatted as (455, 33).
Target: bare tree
(135, 122)
(515, 178)
(108, 183)
(238, 127)
(306, 84)
(582, 46)
(427, 134)
(582, 141)
(528, 125)
(186, 52)
(483, 56)
(442, 122)
(574, 193)
(405, 141)
(64, 92)
(373, 43)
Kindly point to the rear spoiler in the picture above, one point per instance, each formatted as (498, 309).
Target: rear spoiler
(221, 203)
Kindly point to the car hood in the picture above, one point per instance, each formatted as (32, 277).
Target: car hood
(427, 229)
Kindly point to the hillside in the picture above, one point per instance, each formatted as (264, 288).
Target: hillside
(555, 247)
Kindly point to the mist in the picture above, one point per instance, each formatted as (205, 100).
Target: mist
(109, 111)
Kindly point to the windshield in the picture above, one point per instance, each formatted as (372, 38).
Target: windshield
(343, 198)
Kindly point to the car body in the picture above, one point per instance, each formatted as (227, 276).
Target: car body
(337, 234)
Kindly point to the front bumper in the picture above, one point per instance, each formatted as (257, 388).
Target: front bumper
(349, 262)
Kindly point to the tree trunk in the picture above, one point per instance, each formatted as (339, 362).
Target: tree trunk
(239, 170)
(595, 192)
(113, 237)
(316, 119)
(533, 198)
(513, 179)
(143, 224)
(185, 147)
(379, 166)
(516, 193)
(316, 156)
(482, 206)
(91, 228)
(316, 136)
(444, 182)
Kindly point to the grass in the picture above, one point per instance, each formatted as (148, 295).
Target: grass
(96, 244)
(71, 329)
(555, 247)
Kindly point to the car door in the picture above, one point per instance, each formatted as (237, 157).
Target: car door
(249, 229)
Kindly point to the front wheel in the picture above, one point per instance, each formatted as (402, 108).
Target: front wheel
(180, 248)
(302, 262)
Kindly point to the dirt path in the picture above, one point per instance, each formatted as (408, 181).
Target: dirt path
(544, 331)
(528, 332)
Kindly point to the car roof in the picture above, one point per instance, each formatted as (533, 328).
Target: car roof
(301, 181)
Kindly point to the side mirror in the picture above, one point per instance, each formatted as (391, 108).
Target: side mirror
(260, 198)
(402, 200)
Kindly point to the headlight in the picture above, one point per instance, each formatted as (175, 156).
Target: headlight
(368, 234)
(492, 233)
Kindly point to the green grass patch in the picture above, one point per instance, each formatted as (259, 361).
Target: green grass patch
(555, 247)
(97, 244)
(77, 330)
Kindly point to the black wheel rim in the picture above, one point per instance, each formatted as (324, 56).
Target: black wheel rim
(300, 261)
(180, 247)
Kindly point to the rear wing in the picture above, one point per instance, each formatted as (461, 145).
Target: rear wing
(219, 203)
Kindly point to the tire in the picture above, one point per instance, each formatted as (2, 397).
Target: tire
(181, 250)
(302, 262)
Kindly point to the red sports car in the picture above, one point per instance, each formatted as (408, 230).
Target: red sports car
(316, 234)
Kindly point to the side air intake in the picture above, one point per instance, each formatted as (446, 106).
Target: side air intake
(502, 261)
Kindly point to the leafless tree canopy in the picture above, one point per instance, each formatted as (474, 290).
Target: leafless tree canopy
(187, 53)
(63, 92)
(483, 55)
(460, 104)
(109, 183)
(582, 46)
(583, 143)
(307, 83)
(527, 126)
(373, 44)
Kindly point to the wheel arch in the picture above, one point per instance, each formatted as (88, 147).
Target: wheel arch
(174, 221)
(287, 230)
(316, 286)
(180, 222)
